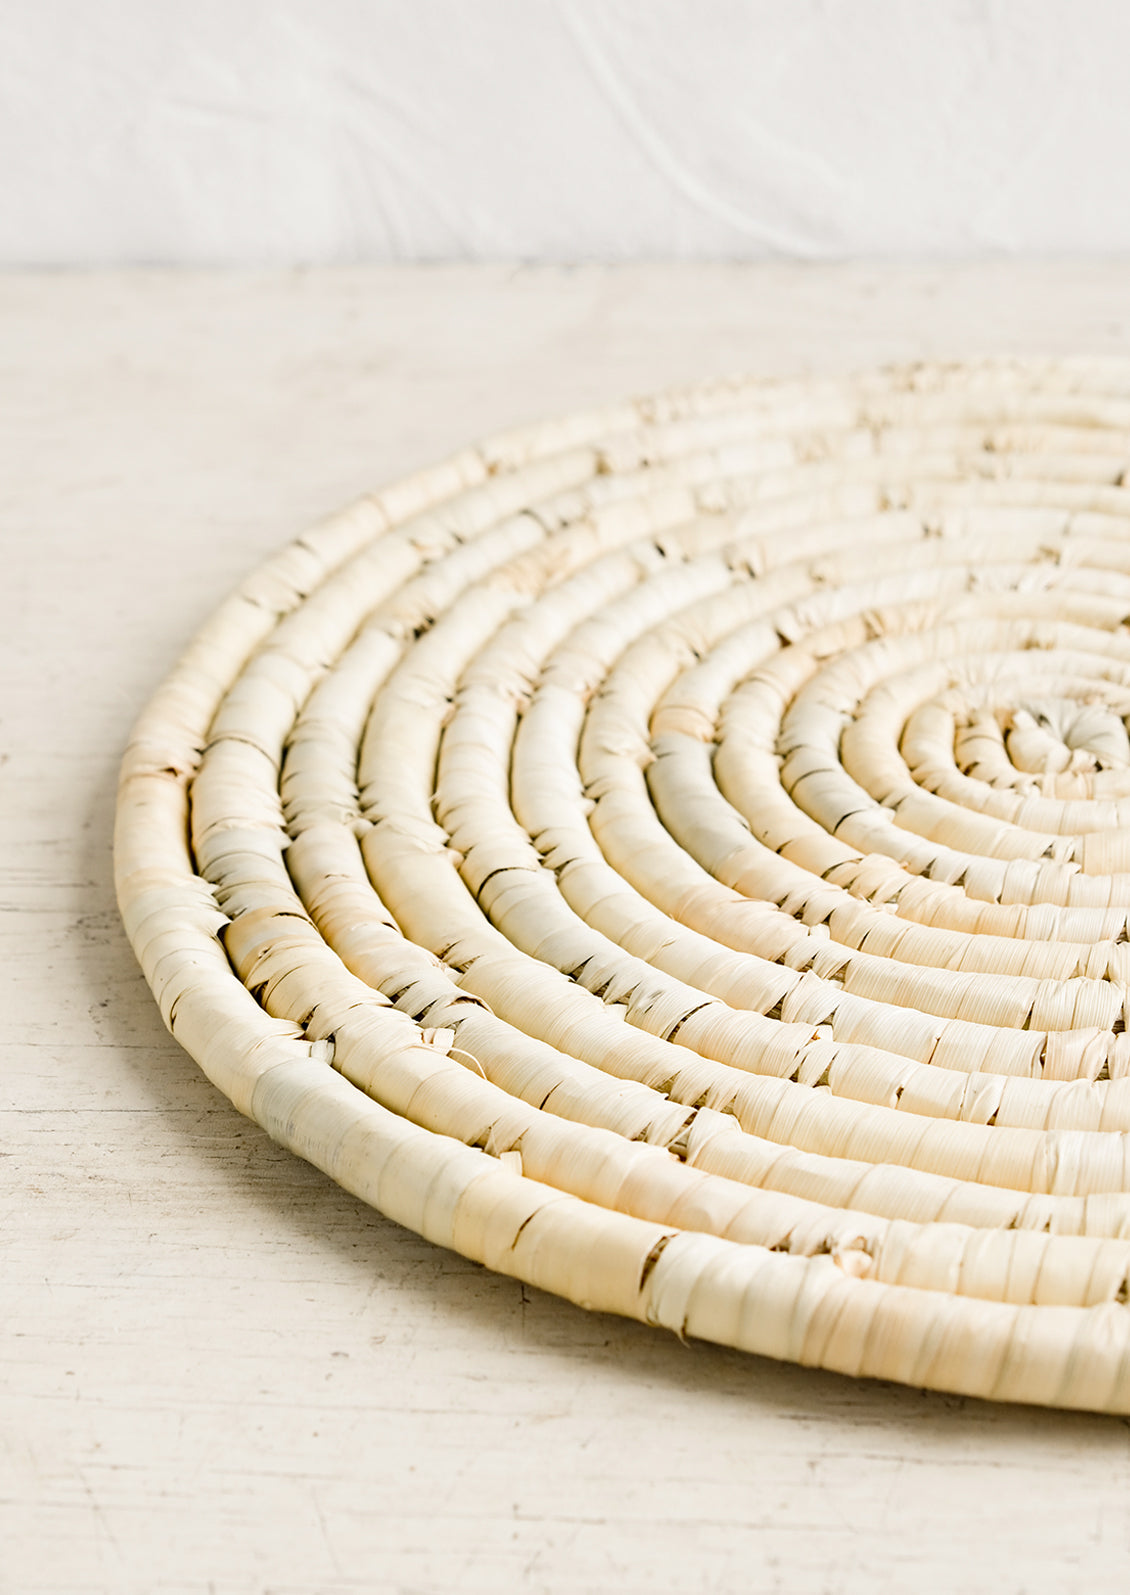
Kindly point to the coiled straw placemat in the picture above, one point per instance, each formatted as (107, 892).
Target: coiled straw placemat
(677, 856)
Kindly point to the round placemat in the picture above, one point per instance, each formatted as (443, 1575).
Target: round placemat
(677, 856)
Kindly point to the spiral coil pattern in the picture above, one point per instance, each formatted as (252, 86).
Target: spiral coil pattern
(677, 856)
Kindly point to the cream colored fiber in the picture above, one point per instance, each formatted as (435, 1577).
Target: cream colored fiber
(678, 856)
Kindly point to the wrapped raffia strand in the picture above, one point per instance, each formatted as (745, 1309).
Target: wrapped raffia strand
(677, 856)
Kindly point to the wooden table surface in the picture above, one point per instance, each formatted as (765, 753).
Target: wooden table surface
(219, 1372)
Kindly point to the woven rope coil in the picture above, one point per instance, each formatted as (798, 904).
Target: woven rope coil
(677, 856)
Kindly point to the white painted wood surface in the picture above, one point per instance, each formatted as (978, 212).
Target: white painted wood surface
(219, 1372)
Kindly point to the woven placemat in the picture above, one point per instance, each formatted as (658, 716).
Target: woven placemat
(677, 856)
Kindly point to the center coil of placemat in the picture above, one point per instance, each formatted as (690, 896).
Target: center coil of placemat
(677, 856)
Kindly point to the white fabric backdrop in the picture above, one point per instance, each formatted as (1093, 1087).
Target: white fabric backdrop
(274, 131)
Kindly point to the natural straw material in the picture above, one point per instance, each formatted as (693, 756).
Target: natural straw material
(679, 856)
